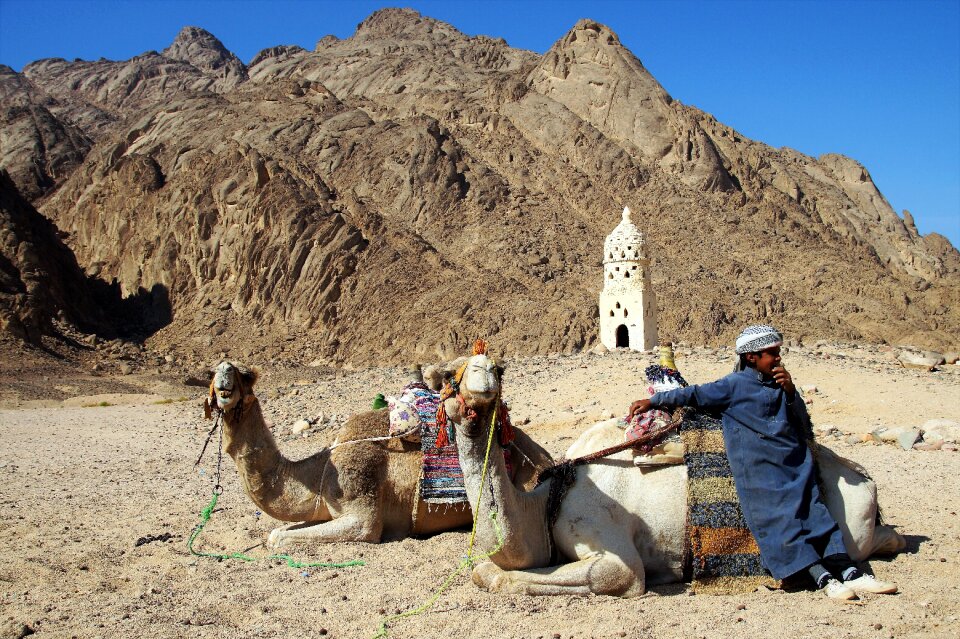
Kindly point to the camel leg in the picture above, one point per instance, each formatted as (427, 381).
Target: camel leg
(887, 541)
(616, 571)
(347, 527)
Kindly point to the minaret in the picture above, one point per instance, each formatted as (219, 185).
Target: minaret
(628, 307)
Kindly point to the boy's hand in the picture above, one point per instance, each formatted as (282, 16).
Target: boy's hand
(639, 406)
(782, 377)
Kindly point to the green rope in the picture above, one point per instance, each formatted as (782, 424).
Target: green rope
(291, 562)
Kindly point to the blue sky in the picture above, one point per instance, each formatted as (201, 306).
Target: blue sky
(876, 80)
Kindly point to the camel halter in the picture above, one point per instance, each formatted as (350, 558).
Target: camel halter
(501, 414)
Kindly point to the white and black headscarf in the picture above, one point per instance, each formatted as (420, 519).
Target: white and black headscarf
(754, 339)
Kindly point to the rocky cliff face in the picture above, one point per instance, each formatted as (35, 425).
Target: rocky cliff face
(391, 196)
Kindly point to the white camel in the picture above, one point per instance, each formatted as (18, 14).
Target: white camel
(621, 528)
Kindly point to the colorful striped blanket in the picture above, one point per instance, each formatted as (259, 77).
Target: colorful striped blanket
(724, 553)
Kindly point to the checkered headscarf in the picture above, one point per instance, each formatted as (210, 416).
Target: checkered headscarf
(758, 337)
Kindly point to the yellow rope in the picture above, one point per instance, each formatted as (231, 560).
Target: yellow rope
(483, 475)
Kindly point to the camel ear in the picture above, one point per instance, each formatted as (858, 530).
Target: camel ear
(250, 376)
(500, 369)
(433, 376)
(209, 400)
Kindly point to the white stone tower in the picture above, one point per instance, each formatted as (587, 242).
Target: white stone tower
(628, 307)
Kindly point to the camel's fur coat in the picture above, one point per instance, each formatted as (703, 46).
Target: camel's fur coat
(619, 527)
(365, 491)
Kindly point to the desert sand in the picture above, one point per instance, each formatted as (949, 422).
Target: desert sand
(83, 479)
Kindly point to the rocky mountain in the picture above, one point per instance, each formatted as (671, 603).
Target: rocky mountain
(390, 196)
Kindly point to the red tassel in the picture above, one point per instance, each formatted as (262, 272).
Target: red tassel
(507, 433)
(480, 347)
(442, 438)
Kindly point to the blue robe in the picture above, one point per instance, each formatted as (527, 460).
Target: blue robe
(772, 467)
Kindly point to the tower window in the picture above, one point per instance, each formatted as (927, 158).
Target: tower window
(611, 256)
(624, 312)
(616, 268)
(634, 267)
(611, 313)
(618, 304)
(610, 277)
(626, 273)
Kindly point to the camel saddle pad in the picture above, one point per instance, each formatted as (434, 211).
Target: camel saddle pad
(724, 554)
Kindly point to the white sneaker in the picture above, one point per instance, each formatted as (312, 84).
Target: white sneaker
(838, 590)
(868, 583)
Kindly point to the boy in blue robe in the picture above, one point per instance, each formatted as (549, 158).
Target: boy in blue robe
(765, 428)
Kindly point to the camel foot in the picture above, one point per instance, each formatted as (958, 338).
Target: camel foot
(488, 576)
(275, 540)
(888, 541)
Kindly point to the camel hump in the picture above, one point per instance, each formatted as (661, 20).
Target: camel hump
(371, 423)
(599, 436)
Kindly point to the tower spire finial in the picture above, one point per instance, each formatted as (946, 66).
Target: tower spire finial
(626, 214)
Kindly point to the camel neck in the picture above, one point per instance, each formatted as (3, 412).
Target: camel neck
(247, 439)
(520, 515)
(283, 489)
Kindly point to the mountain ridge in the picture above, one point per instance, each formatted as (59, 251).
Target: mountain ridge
(392, 195)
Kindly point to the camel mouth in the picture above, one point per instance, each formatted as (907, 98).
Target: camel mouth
(224, 397)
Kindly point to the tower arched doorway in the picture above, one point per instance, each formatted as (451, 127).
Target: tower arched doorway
(623, 337)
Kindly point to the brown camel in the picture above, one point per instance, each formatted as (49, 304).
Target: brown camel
(365, 491)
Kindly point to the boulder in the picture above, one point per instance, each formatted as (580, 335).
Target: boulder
(909, 359)
(888, 435)
(943, 430)
(951, 357)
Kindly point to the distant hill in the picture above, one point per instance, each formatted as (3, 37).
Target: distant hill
(391, 196)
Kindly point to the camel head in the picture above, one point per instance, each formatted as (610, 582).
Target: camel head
(473, 391)
(480, 383)
(229, 385)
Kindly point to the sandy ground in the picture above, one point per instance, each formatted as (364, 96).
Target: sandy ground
(82, 480)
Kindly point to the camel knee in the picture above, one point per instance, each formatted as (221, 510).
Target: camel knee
(611, 576)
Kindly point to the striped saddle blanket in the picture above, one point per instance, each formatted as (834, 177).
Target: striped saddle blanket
(724, 554)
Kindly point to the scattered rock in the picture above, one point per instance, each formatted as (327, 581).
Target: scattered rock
(825, 429)
(300, 426)
(126, 369)
(908, 438)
